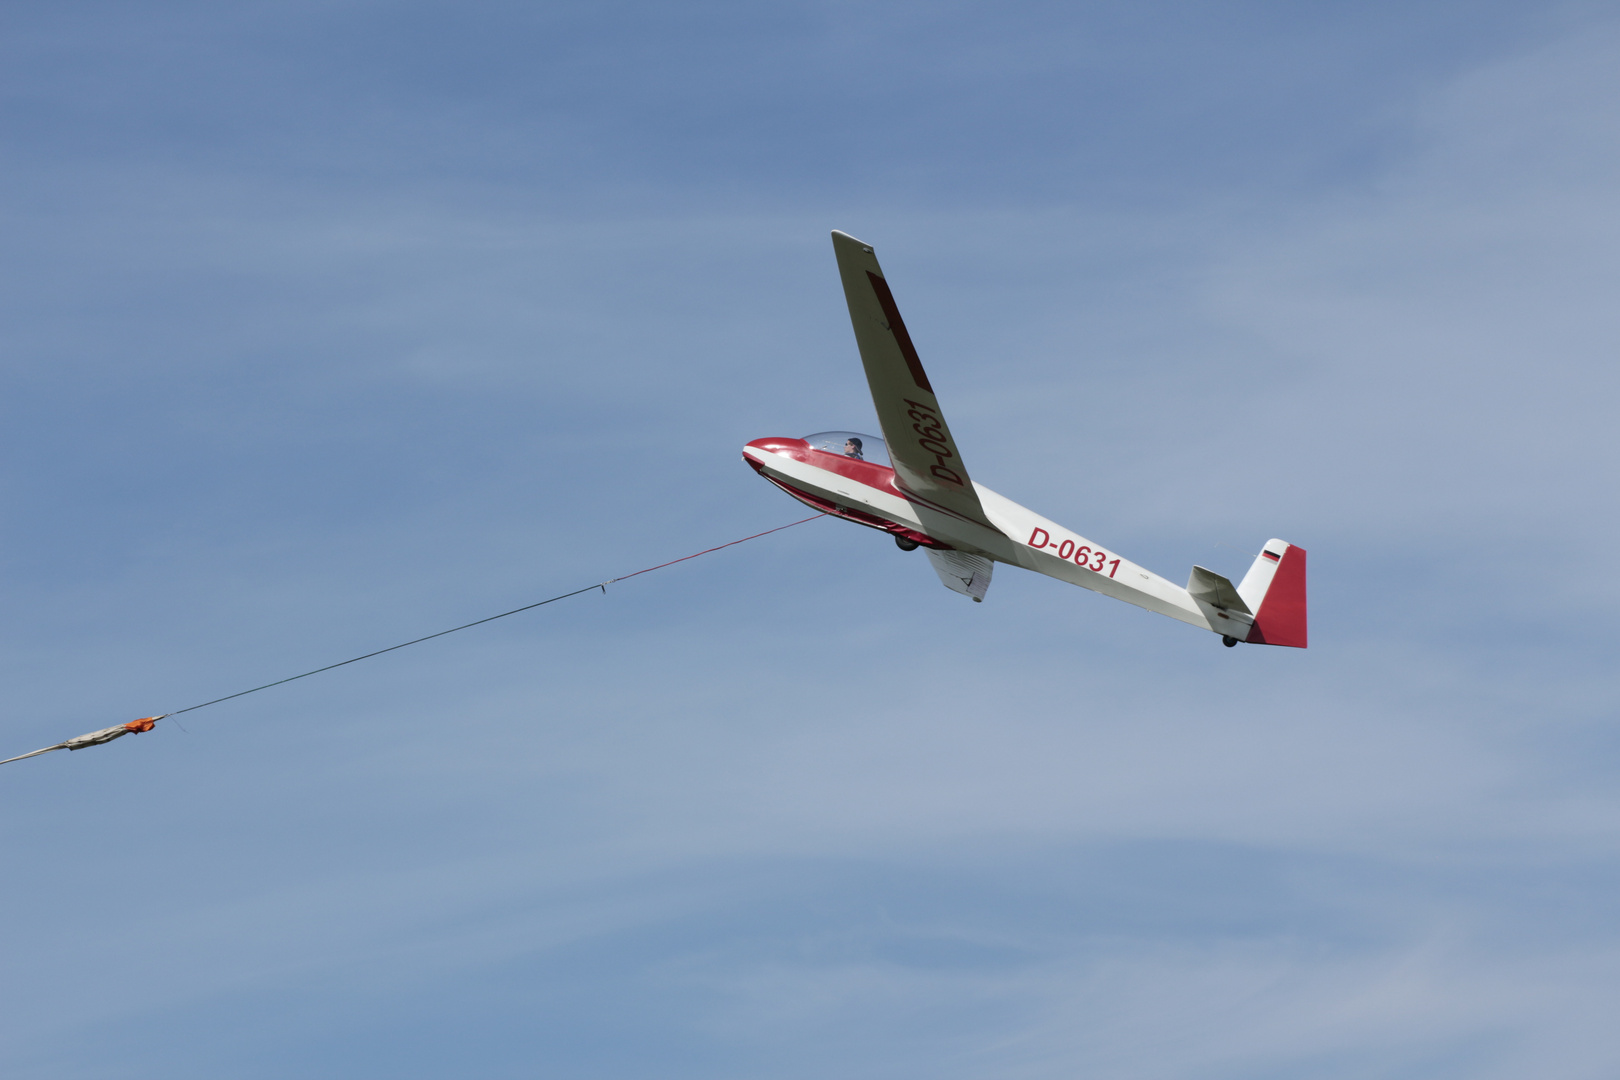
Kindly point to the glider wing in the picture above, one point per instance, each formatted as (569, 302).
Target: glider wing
(927, 464)
(960, 572)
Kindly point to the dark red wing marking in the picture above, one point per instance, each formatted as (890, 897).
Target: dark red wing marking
(897, 326)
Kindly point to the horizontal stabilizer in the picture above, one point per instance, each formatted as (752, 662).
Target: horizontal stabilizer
(1212, 589)
(961, 572)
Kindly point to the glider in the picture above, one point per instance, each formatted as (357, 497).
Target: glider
(912, 484)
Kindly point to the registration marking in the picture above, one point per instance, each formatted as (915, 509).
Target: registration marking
(1083, 555)
(934, 439)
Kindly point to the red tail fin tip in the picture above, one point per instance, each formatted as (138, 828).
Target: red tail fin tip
(1281, 618)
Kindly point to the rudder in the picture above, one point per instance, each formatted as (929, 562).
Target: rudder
(1274, 589)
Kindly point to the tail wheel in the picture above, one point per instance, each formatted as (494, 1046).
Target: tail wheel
(906, 545)
(1228, 640)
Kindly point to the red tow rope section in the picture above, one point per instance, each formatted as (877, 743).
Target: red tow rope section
(705, 551)
(146, 723)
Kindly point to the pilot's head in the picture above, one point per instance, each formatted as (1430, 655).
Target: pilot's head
(852, 448)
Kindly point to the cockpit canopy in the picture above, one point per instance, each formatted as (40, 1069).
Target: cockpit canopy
(851, 444)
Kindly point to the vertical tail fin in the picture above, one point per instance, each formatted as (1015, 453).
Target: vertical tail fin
(1274, 589)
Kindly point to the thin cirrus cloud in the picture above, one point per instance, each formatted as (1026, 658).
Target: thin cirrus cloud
(329, 326)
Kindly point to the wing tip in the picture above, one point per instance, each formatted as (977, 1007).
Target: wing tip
(840, 238)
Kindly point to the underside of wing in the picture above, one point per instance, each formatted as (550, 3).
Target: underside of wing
(960, 572)
(926, 461)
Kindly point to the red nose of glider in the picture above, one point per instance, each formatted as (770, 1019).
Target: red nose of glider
(775, 444)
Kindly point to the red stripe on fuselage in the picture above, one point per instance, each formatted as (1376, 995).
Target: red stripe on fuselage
(863, 472)
(868, 474)
(913, 497)
(871, 521)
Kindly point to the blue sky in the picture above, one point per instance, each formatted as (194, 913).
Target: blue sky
(327, 325)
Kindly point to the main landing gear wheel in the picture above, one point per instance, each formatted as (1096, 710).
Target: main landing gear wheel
(1228, 640)
(905, 545)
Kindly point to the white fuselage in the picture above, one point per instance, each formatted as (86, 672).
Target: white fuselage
(1020, 537)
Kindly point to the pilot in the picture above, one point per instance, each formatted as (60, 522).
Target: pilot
(852, 448)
